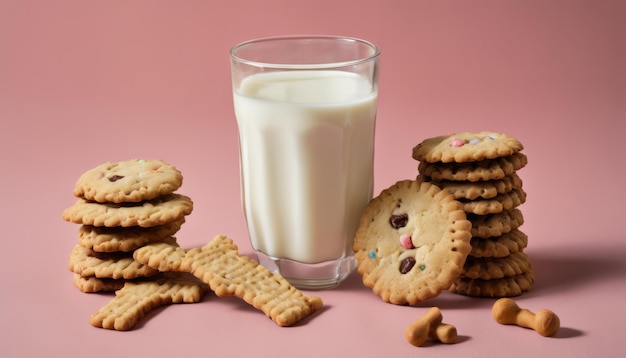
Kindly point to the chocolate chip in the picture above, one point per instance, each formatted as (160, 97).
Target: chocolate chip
(398, 221)
(406, 265)
(115, 178)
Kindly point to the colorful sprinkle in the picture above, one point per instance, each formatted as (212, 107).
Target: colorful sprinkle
(457, 142)
(422, 267)
(372, 255)
(406, 242)
(141, 161)
(474, 141)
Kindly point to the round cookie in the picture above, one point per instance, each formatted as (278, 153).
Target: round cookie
(500, 246)
(466, 147)
(160, 211)
(485, 226)
(498, 204)
(111, 239)
(504, 287)
(412, 242)
(128, 181)
(481, 189)
(488, 268)
(489, 169)
(90, 284)
(87, 263)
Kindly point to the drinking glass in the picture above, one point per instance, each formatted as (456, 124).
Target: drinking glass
(306, 111)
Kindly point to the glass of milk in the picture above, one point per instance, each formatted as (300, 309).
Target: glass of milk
(306, 111)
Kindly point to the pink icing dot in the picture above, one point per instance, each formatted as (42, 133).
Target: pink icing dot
(457, 142)
(405, 241)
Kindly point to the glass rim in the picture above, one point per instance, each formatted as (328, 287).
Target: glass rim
(375, 52)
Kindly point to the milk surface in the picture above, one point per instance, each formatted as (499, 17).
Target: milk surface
(306, 151)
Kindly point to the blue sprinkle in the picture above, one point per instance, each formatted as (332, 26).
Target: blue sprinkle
(372, 255)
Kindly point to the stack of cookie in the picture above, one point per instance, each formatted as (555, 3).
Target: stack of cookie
(122, 206)
(480, 171)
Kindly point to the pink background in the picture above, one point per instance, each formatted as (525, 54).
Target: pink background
(85, 82)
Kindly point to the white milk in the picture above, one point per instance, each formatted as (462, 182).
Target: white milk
(306, 164)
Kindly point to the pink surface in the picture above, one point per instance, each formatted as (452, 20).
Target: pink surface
(84, 82)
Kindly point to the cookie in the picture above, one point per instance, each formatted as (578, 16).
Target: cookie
(93, 284)
(481, 189)
(111, 239)
(500, 246)
(495, 268)
(160, 211)
(490, 169)
(412, 242)
(466, 147)
(485, 226)
(86, 263)
(137, 298)
(219, 265)
(128, 181)
(502, 202)
(504, 287)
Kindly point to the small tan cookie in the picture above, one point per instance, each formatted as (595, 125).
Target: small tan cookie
(481, 189)
(160, 211)
(411, 242)
(500, 246)
(86, 262)
(111, 239)
(219, 265)
(488, 268)
(504, 287)
(466, 147)
(500, 203)
(128, 181)
(137, 298)
(485, 226)
(93, 284)
(489, 169)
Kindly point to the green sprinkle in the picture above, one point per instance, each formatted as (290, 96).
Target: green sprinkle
(422, 267)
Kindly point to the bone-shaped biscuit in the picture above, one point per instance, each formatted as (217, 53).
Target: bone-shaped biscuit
(135, 299)
(219, 265)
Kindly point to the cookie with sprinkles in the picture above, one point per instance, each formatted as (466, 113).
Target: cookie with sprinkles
(412, 242)
(466, 147)
(128, 181)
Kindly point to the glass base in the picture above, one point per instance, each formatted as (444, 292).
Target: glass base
(303, 276)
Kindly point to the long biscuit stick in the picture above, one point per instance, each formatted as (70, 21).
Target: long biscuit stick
(219, 265)
(135, 299)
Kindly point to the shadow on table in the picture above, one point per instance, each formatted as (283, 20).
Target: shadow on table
(560, 270)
